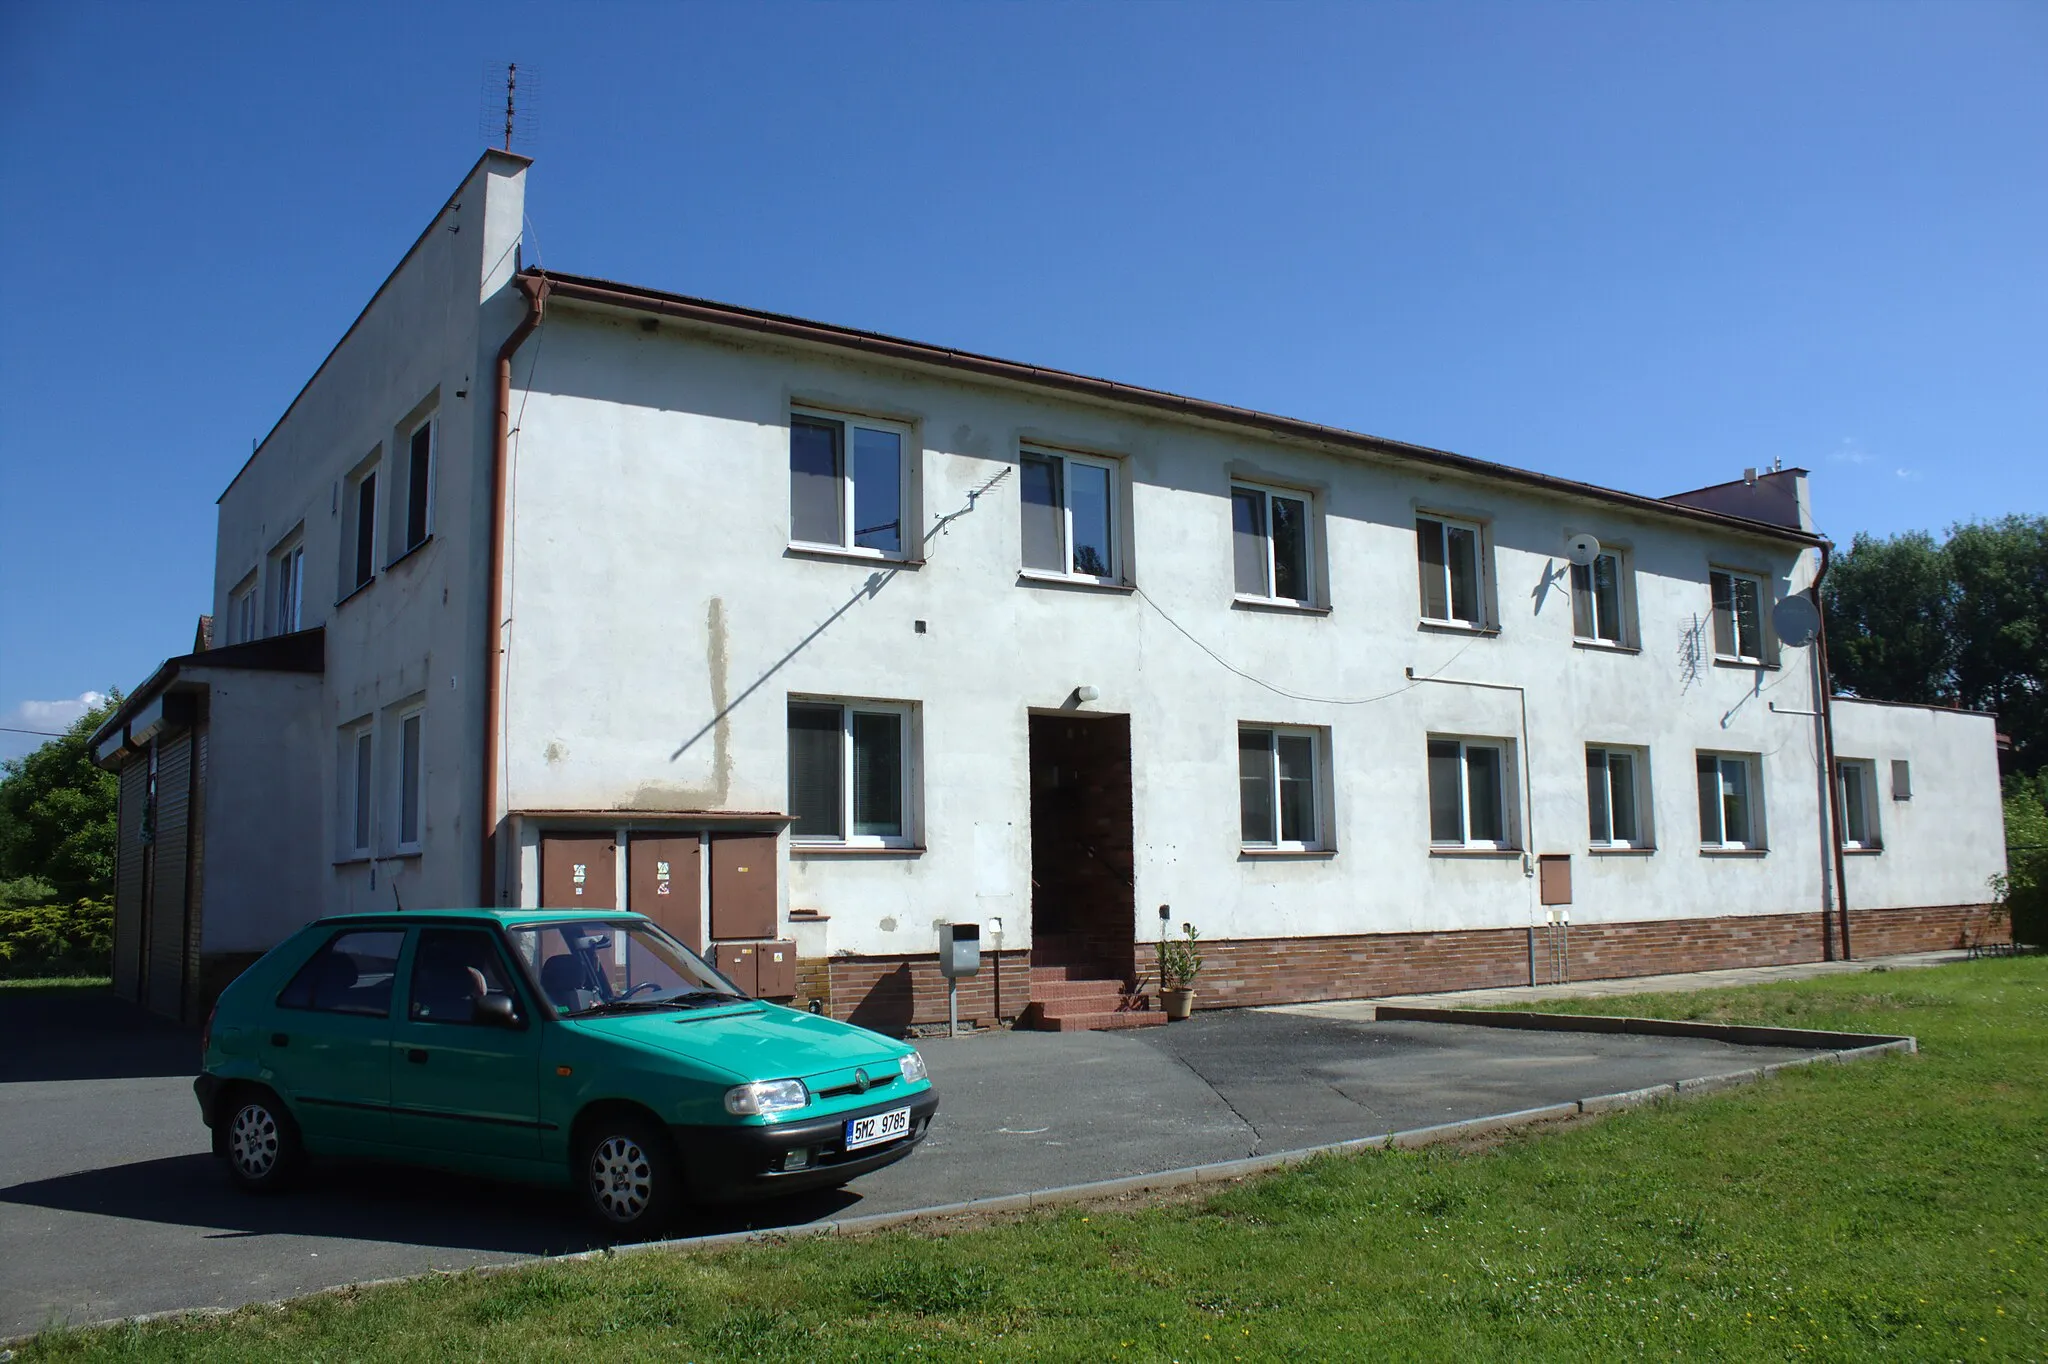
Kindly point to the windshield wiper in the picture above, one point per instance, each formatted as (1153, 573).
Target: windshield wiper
(611, 1006)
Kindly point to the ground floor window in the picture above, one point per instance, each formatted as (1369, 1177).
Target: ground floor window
(1617, 797)
(1280, 787)
(1469, 781)
(850, 772)
(1856, 785)
(1729, 817)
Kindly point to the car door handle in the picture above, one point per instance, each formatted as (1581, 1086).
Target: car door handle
(280, 1039)
(417, 1055)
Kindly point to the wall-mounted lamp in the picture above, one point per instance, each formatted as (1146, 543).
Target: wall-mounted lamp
(1085, 694)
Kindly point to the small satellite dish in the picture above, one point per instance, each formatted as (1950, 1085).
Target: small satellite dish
(1583, 550)
(1797, 621)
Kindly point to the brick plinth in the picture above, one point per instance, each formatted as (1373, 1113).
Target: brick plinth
(890, 994)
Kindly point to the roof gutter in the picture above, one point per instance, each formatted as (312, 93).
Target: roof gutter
(1830, 783)
(535, 291)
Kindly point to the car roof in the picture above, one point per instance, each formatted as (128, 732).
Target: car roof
(505, 917)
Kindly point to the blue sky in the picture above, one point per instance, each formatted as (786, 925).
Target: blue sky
(1638, 245)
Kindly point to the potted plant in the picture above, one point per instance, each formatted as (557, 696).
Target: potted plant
(1179, 964)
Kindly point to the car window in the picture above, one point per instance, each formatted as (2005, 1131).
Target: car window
(452, 969)
(594, 964)
(352, 974)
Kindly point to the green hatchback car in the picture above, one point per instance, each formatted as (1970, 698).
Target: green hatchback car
(582, 1049)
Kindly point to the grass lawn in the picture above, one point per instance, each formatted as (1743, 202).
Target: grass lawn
(55, 982)
(1888, 1208)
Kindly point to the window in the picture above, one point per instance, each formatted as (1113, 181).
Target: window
(1279, 788)
(454, 970)
(1902, 779)
(1069, 509)
(1856, 783)
(1738, 616)
(1269, 535)
(1450, 557)
(409, 773)
(847, 484)
(287, 586)
(1597, 609)
(242, 612)
(351, 975)
(419, 487)
(1468, 793)
(359, 565)
(1617, 797)
(358, 793)
(850, 759)
(1729, 817)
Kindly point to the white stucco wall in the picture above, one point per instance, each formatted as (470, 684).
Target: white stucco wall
(651, 588)
(265, 738)
(424, 345)
(1942, 845)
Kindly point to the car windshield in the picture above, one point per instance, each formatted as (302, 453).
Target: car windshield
(595, 966)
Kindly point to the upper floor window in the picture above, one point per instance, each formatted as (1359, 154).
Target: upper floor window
(1729, 817)
(1451, 558)
(1280, 787)
(1469, 781)
(1069, 508)
(288, 584)
(1617, 797)
(1599, 606)
(1738, 615)
(1269, 532)
(850, 772)
(419, 487)
(1856, 782)
(359, 546)
(242, 612)
(848, 483)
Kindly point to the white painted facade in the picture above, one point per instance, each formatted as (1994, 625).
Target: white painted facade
(659, 622)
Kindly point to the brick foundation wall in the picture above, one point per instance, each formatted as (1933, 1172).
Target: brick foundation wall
(891, 994)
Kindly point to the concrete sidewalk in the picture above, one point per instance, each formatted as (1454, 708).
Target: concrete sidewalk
(1682, 983)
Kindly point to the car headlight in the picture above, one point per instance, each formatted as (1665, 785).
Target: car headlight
(912, 1067)
(766, 1096)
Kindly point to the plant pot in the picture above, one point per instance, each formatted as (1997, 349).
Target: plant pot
(1177, 1003)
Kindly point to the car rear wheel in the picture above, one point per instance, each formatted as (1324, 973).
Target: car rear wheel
(628, 1175)
(262, 1142)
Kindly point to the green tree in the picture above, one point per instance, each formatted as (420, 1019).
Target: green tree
(57, 813)
(2023, 890)
(1961, 623)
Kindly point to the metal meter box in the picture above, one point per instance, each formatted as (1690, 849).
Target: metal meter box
(1554, 878)
(959, 950)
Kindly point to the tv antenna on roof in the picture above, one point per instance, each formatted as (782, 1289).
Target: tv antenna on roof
(506, 105)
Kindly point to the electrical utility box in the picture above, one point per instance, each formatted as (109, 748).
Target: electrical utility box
(959, 950)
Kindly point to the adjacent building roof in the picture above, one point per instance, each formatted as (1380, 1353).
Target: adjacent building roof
(304, 651)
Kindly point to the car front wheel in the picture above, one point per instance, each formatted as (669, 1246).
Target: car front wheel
(262, 1142)
(628, 1175)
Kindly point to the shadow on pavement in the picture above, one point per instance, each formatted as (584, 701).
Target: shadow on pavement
(82, 1032)
(369, 1202)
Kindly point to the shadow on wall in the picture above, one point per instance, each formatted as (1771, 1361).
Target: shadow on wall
(888, 1005)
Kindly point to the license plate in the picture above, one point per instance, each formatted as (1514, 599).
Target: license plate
(877, 1127)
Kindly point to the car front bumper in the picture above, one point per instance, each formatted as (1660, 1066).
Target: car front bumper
(724, 1164)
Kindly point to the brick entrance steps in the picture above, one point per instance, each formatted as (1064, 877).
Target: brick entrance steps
(1062, 1003)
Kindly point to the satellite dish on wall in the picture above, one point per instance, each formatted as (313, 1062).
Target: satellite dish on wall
(1797, 621)
(1582, 550)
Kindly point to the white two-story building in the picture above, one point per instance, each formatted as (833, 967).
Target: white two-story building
(805, 640)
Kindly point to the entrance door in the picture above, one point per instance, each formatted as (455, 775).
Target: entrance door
(1083, 894)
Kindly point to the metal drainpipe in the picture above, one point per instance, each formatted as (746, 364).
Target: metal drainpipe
(1827, 730)
(536, 292)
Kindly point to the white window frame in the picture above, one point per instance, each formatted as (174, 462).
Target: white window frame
(1510, 794)
(907, 767)
(909, 531)
(242, 617)
(358, 791)
(1763, 598)
(352, 533)
(402, 717)
(288, 584)
(1624, 635)
(1113, 470)
(1311, 579)
(1319, 786)
(1753, 839)
(401, 497)
(1862, 772)
(1482, 586)
(1639, 793)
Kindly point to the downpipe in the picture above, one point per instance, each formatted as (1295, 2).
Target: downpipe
(1829, 783)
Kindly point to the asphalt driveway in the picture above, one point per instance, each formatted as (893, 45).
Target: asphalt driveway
(110, 1206)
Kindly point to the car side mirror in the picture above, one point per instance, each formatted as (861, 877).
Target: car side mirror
(498, 1011)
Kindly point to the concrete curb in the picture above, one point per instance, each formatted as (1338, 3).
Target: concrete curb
(1215, 1172)
(1742, 1034)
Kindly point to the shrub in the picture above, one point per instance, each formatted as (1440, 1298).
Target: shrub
(57, 940)
(2022, 893)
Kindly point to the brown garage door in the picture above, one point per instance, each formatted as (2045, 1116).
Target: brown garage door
(578, 871)
(663, 879)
